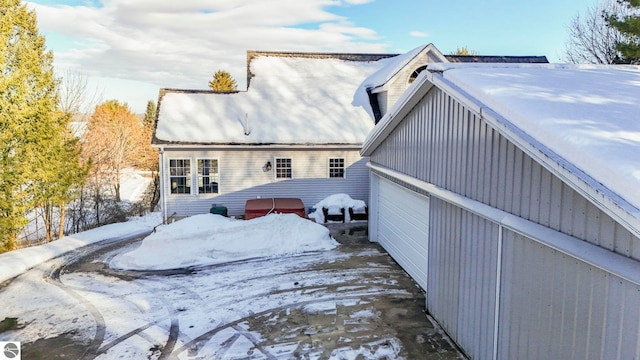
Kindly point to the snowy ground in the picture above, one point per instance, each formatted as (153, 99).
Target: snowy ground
(208, 287)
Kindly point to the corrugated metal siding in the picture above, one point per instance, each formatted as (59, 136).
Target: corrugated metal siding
(557, 307)
(444, 143)
(242, 178)
(462, 276)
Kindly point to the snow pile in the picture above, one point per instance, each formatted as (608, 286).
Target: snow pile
(334, 203)
(16, 262)
(212, 239)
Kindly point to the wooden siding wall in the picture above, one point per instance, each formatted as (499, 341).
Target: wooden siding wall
(443, 143)
(242, 178)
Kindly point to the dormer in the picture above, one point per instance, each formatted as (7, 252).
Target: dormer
(386, 85)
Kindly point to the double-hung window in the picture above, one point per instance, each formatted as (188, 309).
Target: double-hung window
(283, 168)
(208, 176)
(336, 168)
(180, 176)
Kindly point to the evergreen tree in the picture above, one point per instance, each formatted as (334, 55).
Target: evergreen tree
(223, 82)
(629, 26)
(60, 177)
(28, 126)
(150, 114)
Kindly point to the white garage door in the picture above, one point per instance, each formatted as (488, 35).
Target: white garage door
(403, 226)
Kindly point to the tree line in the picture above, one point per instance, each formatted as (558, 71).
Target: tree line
(606, 33)
(72, 182)
(47, 170)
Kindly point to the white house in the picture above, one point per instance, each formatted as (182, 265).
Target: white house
(295, 132)
(510, 194)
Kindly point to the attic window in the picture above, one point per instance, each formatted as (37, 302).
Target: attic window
(415, 73)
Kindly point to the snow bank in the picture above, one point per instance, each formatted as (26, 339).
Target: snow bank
(16, 262)
(212, 239)
(334, 203)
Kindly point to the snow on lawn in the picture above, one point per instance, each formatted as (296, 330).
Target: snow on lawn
(133, 184)
(334, 203)
(18, 261)
(212, 239)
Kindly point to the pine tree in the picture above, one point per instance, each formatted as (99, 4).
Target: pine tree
(629, 26)
(150, 114)
(60, 176)
(223, 82)
(28, 99)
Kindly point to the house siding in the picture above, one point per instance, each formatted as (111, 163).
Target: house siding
(443, 143)
(400, 82)
(242, 178)
(500, 292)
(558, 307)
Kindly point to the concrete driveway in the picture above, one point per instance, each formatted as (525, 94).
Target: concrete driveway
(353, 302)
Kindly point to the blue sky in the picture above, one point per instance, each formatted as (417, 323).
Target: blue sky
(129, 49)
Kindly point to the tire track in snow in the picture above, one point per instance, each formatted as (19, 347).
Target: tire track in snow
(196, 343)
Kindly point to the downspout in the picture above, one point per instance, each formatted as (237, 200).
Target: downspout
(375, 105)
(163, 197)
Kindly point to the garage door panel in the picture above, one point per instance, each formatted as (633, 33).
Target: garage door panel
(403, 227)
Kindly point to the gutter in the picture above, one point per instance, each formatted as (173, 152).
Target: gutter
(163, 197)
(596, 256)
(256, 146)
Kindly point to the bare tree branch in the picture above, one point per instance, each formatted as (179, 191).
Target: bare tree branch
(75, 94)
(592, 40)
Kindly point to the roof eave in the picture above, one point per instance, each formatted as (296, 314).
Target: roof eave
(604, 198)
(257, 145)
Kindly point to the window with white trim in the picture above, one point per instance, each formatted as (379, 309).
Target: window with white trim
(208, 176)
(180, 176)
(336, 168)
(283, 168)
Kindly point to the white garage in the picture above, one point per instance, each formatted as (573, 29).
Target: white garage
(401, 225)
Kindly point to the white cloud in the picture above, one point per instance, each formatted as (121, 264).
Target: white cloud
(358, 2)
(419, 34)
(182, 43)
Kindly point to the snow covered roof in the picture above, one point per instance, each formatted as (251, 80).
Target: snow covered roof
(394, 65)
(292, 99)
(584, 119)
